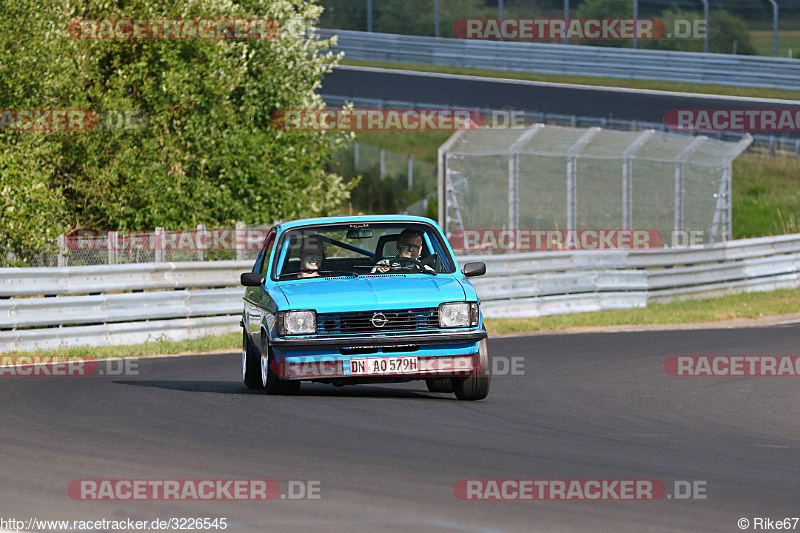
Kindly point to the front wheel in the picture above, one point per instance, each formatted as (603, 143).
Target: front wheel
(272, 383)
(251, 364)
(475, 387)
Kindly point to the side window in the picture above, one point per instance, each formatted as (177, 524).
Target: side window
(263, 258)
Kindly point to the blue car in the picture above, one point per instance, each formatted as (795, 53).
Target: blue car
(363, 299)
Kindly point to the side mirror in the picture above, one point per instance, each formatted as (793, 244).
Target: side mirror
(252, 279)
(473, 269)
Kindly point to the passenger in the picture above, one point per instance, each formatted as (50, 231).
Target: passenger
(310, 259)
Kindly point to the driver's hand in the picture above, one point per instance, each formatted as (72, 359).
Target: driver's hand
(382, 266)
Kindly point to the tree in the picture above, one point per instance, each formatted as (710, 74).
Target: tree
(595, 9)
(599, 9)
(724, 29)
(206, 151)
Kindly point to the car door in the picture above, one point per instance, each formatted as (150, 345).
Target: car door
(259, 306)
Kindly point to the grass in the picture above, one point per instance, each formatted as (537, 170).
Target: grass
(725, 90)
(231, 341)
(747, 305)
(766, 196)
(421, 145)
(787, 40)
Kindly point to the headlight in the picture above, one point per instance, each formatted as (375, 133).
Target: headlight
(296, 322)
(458, 315)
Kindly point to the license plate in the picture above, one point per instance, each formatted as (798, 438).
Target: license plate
(381, 365)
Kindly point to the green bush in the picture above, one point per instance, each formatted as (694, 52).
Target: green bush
(208, 152)
(723, 31)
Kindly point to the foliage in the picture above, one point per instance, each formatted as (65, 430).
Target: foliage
(205, 152)
(605, 9)
(723, 31)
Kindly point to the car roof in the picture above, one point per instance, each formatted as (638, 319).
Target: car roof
(354, 219)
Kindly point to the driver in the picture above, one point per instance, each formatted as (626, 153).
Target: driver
(409, 245)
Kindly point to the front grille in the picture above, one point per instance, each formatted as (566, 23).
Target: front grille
(361, 322)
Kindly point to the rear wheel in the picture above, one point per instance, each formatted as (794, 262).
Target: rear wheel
(475, 387)
(439, 385)
(251, 363)
(273, 384)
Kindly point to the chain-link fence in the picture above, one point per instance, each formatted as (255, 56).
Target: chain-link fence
(587, 179)
(390, 182)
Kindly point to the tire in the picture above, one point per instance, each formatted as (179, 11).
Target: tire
(475, 387)
(439, 385)
(251, 363)
(272, 383)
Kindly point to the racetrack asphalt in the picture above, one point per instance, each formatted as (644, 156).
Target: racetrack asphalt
(589, 406)
(494, 93)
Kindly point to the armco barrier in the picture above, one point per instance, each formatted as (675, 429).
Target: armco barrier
(571, 60)
(47, 308)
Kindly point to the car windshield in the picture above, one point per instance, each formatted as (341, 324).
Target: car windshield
(361, 249)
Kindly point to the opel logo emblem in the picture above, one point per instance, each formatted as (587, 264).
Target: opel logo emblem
(379, 320)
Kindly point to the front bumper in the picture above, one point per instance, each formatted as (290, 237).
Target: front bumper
(346, 369)
(378, 341)
(438, 355)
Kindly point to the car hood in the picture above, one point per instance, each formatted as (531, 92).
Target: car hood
(368, 293)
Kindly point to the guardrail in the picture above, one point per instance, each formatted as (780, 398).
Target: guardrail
(571, 60)
(95, 305)
(543, 283)
(84, 306)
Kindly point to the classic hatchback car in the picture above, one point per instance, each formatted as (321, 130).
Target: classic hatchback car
(363, 299)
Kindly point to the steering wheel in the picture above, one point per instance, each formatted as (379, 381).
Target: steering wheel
(401, 260)
(408, 260)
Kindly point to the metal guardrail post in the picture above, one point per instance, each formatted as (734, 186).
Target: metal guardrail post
(410, 173)
(201, 237)
(383, 163)
(513, 174)
(572, 178)
(720, 209)
(774, 27)
(111, 245)
(355, 156)
(727, 176)
(513, 191)
(705, 17)
(241, 244)
(441, 178)
(62, 246)
(159, 245)
(369, 16)
(571, 196)
(436, 18)
(627, 178)
(680, 163)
